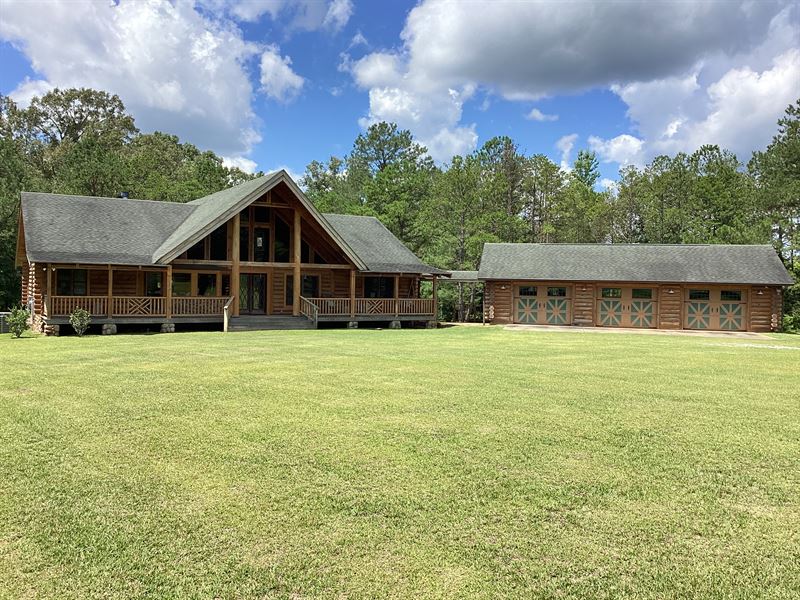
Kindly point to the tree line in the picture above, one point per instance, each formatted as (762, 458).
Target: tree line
(82, 141)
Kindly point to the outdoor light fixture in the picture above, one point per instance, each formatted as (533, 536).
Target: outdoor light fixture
(670, 291)
(760, 292)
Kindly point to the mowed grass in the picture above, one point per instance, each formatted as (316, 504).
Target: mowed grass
(462, 462)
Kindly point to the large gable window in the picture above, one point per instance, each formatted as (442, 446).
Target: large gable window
(71, 282)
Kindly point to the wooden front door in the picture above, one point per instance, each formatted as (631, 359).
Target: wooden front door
(543, 304)
(252, 293)
(626, 306)
(723, 308)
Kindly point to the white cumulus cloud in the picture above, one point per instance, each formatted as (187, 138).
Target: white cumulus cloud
(278, 80)
(536, 115)
(177, 68)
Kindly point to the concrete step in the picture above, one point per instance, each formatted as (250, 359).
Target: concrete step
(259, 323)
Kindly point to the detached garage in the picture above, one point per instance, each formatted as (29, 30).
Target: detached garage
(712, 287)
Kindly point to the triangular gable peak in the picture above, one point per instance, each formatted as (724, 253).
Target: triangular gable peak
(276, 190)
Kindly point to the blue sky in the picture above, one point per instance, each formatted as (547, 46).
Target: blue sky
(278, 83)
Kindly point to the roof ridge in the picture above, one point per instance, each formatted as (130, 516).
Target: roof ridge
(82, 197)
(627, 244)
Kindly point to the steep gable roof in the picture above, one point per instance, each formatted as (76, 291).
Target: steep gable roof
(378, 247)
(712, 263)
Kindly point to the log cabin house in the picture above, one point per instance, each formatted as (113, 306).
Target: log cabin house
(701, 287)
(254, 256)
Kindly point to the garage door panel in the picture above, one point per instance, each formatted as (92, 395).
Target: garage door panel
(627, 306)
(643, 313)
(542, 305)
(609, 312)
(716, 309)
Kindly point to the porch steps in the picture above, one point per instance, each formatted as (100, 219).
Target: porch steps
(259, 323)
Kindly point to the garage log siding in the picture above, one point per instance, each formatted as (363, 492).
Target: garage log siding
(758, 310)
(664, 286)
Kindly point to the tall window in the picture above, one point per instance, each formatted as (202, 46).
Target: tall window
(260, 244)
(282, 240)
(153, 283)
(219, 243)
(207, 284)
(181, 284)
(309, 287)
(197, 252)
(71, 282)
(244, 244)
(379, 287)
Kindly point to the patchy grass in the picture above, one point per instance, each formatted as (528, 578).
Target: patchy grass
(464, 462)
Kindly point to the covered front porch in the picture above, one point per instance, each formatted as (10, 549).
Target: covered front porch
(127, 295)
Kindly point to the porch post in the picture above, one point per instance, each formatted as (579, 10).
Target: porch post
(352, 293)
(396, 295)
(110, 307)
(169, 292)
(435, 299)
(48, 298)
(235, 264)
(296, 262)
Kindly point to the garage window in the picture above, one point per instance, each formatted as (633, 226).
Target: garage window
(642, 293)
(611, 292)
(527, 290)
(699, 294)
(557, 292)
(731, 295)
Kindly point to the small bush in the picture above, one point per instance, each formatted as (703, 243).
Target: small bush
(18, 321)
(80, 320)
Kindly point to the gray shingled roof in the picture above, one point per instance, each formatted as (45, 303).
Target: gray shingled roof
(634, 262)
(86, 229)
(463, 276)
(92, 230)
(380, 250)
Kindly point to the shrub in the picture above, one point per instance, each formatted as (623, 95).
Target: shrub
(18, 321)
(80, 320)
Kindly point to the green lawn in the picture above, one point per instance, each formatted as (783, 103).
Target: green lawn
(463, 462)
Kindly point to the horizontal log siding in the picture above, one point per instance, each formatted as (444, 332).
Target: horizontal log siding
(670, 307)
(766, 309)
(279, 305)
(123, 284)
(499, 301)
(98, 282)
(583, 304)
(341, 284)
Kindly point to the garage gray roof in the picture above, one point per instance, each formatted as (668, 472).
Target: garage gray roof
(713, 263)
(374, 244)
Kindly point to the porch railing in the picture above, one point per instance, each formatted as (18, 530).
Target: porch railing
(365, 307)
(138, 306)
(309, 309)
(191, 306)
(65, 305)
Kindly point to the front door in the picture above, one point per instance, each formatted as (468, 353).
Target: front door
(252, 293)
(543, 304)
(626, 306)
